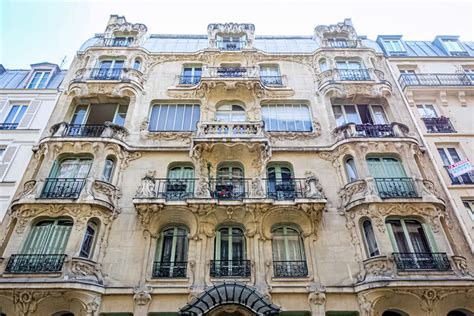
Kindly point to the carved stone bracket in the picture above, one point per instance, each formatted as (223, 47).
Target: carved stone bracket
(278, 136)
(142, 299)
(83, 269)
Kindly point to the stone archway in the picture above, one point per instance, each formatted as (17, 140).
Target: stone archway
(230, 310)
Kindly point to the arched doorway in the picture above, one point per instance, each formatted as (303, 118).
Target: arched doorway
(230, 310)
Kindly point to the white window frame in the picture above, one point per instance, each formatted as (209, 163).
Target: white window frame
(3, 149)
(348, 61)
(86, 116)
(278, 105)
(450, 45)
(389, 45)
(20, 106)
(195, 107)
(358, 114)
(469, 206)
(42, 73)
(424, 106)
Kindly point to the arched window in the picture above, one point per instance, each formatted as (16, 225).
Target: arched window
(230, 254)
(171, 253)
(394, 313)
(287, 117)
(109, 167)
(180, 182)
(459, 313)
(231, 113)
(174, 117)
(89, 240)
(351, 170)
(62, 314)
(137, 64)
(288, 253)
(280, 182)
(369, 238)
(230, 183)
(323, 65)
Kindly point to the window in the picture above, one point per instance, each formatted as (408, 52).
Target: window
(280, 183)
(351, 70)
(231, 113)
(108, 70)
(122, 41)
(137, 64)
(426, 110)
(89, 239)
(109, 167)
(270, 75)
(174, 117)
(359, 114)
(230, 253)
(390, 178)
(323, 65)
(39, 80)
(94, 116)
(230, 182)
(171, 253)
(287, 117)
(14, 116)
(180, 182)
(288, 253)
(408, 236)
(191, 75)
(449, 156)
(394, 45)
(369, 237)
(469, 206)
(74, 167)
(2, 152)
(231, 42)
(453, 45)
(48, 236)
(351, 170)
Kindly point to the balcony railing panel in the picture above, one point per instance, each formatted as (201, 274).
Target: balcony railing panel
(422, 261)
(189, 80)
(231, 46)
(230, 129)
(340, 43)
(438, 125)
(453, 79)
(118, 41)
(8, 126)
(35, 263)
(84, 130)
(230, 268)
(271, 80)
(230, 72)
(230, 189)
(354, 74)
(285, 189)
(62, 188)
(374, 130)
(106, 73)
(290, 269)
(168, 189)
(169, 269)
(395, 188)
(467, 178)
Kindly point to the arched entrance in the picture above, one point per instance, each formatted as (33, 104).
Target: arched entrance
(230, 299)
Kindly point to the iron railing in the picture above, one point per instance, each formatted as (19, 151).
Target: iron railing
(438, 125)
(230, 268)
(231, 46)
(230, 189)
(340, 43)
(285, 189)
(395, 188)
(189, 80)
(8, 126)
(35, 263)
(118, 41)
(84, 130)
(290, 269)
(106, 73)
(453, 79)
(467, 178)
(169, 269)
(422, 261)
(354, 74)
(62, 188)
(374, 130)
(271, 80)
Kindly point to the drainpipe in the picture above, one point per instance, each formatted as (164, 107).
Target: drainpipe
(430, 155)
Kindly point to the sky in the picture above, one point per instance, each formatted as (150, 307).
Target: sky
(33, 31)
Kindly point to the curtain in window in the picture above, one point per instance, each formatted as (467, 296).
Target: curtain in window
(369, 235)
(287, 245)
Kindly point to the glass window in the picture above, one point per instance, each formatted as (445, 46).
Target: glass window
(172, 253)
(230, 245)
(39, 80)
(449, 156)
(73, 168)
(408, 236)
(359, 114)
(174, 117)
(230, 183)
(287, 245)
(48, 236)
(2, 152)
(180, 182)
(394, 45)
(370, 241)
(280, 182)
(453, 45)
(270, 75)
(108, 172)
(231, 113)
(16, 114)
(426, 110)
(323, 65)
(120, 115)
(351, 170)
(89, 240)
(137, 64)
(191, 75)
(287, 117)
(469, 206)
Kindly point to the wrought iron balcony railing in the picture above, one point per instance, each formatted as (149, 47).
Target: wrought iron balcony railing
(189, 80)
(106, 130)
(374, 130)
(351, 130)
(395, 188)
(230, 189)
(231, 46)
(467, 178)
(106, 73)
(83, 130)
(8, 126)
(168, 189)
(230, 268)
(169, 269)
(62, 188)
(118, 41)
(35, 263)
(231, 130)
(271, 80)
(354, 74)
(438, 125)
(452, 79)
(285, 189)
(422, 261)
(340, 43)
(230, 72)
(290, 269)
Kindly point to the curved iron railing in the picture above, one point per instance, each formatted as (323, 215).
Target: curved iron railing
(169, 269)
(290, 269)
(230, 268)
(354, 74)
(35, 263)
(106, 73)
(422, 261)
(230, 189)
(395, 188)
(8, 126)
(230, 46)
(62, 188)
(189, 80)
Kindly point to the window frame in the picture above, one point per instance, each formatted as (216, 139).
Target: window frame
(22, 109)
(45, 243)
(193, 78)
(192, 126)
(276, 110)
(351, 179)
(469, 206)
(174, 242)
(376, 251)
(450, 45)
(36, 84)
(220, 110)
(218, 243)
(356, 106)
(431, 243)
(423, 106)
(94, 239)
(388, 44)
(109, 177)
(286, 243)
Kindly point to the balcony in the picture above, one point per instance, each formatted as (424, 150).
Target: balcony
(230, 268)
(444, 80)
(106, 73)
(290, 269)
(8, 126)
(189, 80)
(438, 125)
(231, 46)
(35, 264)
(117, 41)
(437, 261)
(62, 188)
(389, 188)
(168, 189)
(230, 131)
(230, 189)
(340, 43)
(106, 130)
(169, 269)
(230, 73)
(352, 130)
(467, 178)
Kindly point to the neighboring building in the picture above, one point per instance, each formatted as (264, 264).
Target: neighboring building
(27, 99)
(438, 81)
(232, 174)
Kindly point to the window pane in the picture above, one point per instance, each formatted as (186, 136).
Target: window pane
(79, 114)
(370, 239)
(286, 117)
(351, 170)
(379, 115)
(399, 236)
(417, 236)
(352, 115)
(174, 117)
(338, 115)
(11, 115)
(44, 80)
(108, 168)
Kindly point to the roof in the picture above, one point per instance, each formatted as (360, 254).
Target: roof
(18, 78)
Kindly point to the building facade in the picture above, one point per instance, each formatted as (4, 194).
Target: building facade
(438, 82)
(232, 174)
(27, 99)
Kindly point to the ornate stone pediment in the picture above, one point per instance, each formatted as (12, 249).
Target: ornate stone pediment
(118, 25)
(342, 29)
(233, 29)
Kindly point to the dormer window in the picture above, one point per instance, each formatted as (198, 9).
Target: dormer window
(453, 45)
(39, 80)
(394, 46)
(231, 42)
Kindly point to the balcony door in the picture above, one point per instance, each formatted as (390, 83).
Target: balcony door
(280, 183)
(351, 70)
(230, 252)
(359, 114)
(172, 253)
(231, 113)
(180, 182)
(390, 177)
(72, 168)
(48, 236)
(230, 182)
(98, 114)
(288, 253)
(109, 69)
(67, 178)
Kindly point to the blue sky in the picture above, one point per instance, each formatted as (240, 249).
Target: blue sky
(33, 31)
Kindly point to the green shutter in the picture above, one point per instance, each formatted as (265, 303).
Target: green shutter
(47, 239)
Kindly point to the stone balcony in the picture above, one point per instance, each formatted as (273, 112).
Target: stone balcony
(353, 130)
(89, 132)
(349, 82)
(232, 132)
(106, 81)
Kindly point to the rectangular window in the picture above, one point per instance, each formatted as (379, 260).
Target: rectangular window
(394, 45)
(270, 75)
(449, 156)
(14, 116)
(39, 80)
(469, 206)
(174, 117)
(359, 114)
(287, 117)
(2, 151)
(191, 75)
(453, 45)
(426, 110)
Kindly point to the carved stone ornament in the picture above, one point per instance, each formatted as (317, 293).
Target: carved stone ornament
(278, 136)
(142, 294)
(429, 297)
(461, 266)
(93, 306)
(182, 137)
(82, 269)
(345, 27)
(236, 29)
(312, 187)
(147, 186)
(26, 302)
(317, 298)
(378, 267)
